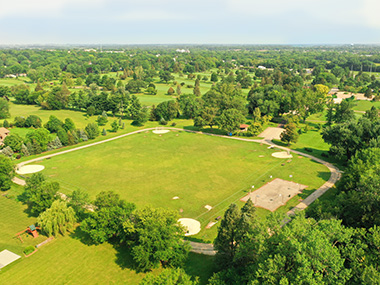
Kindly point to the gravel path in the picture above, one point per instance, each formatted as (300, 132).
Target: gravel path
(204, 248)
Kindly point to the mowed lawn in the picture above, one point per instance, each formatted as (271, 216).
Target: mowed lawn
(69, 259)
(201, 170)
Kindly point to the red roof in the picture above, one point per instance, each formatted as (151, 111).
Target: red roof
(243, 126)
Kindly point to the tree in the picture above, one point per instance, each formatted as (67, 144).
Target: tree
(6, 173)
(206, 117)
(33, 121)
(69, 124)
(78, 200)
(179, 91)
(197, 90)
(39, 137)
(14, 141)
(158, 239)
(171, 91)
(290, 134)
(214, 77)
(141, 118)
(165, 76)
(103, 119)
(59, 218)
(344, 112)
(107, 220)
(92, 130)
(167, 110)
(230, 120)
(176, 276)
(63, 137)
(40, 194)
(4, 109)
(114, 126)
(54, 124)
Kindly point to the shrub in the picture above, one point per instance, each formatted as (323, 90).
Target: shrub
(19, 122)
(174, 124)
(92, 130)
(163, 121)
(6, 124)
(114, 126)
(324, 154)
(29, 249)
(308, 149)
(33, 121)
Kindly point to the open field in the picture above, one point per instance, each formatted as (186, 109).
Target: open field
(150, 169)
(365, 105)
(70, 260)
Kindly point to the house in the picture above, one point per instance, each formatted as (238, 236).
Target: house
(244, 127)
(3, 133)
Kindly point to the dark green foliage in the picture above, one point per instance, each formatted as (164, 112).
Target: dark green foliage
(39, 137)
(290, 134)
(344, 112)
(63, 137)
(107, 220)
(158, 239)
(40, 194)
(190, 105)
(104, 132)
(92, 130)
(33, 121)
(141, 118)
(6, 124)
(54, 124)
(167, 110)
(19, 122)
(230, 120)
(6, 173)
(7, 151)
(14, 141)
(69, 124)
(114, 126)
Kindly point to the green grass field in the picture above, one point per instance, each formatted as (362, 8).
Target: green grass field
(149, 169)
(362, 105)
(69, 260)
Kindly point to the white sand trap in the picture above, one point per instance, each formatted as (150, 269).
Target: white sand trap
(282, 154)
(160, 131)
(175, 198)
(193, 226)
(7, 257)
(28, 169)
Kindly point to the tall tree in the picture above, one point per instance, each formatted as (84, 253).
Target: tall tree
(58, 219)
(158, 238)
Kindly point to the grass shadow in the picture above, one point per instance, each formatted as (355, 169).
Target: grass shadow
(201, 266)
(83, 237)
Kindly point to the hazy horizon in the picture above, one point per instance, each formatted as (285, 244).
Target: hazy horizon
(211, 22)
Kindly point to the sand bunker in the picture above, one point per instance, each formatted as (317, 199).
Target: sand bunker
(28, 169)
(160, 131)
(282, 154)
(193, 226)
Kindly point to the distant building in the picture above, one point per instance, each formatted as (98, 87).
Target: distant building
(3, 134)
(261, 67)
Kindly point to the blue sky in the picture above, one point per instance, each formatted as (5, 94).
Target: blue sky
(195, 21)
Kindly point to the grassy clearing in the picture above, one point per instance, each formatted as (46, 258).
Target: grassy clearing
(149, 169)
(70, 260)
(362, 105)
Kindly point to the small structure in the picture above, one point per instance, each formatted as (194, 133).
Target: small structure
(31, 229)
(244, 127)
(3, 134)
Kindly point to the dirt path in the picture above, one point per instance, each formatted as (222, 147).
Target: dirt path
(204, 248)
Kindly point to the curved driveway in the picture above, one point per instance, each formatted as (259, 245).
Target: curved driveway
(208, 248)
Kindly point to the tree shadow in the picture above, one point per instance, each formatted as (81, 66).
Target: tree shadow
(124, 257)
(83, 237)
